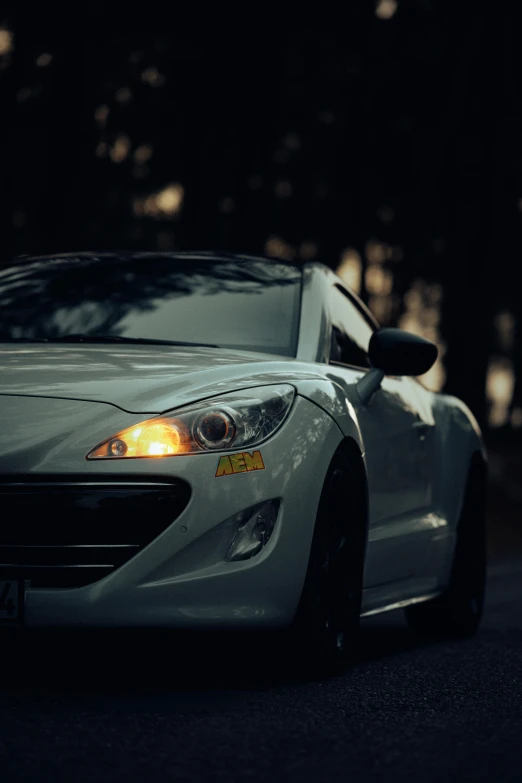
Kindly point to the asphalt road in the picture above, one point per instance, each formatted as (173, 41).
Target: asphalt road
(91, 707)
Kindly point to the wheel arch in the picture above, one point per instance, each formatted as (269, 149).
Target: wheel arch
(350, 449)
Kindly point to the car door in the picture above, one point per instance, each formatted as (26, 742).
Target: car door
(396, 440)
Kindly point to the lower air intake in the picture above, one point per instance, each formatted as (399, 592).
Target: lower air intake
(70, 534)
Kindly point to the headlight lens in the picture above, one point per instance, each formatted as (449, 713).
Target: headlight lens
(215, 429)
(230, 422)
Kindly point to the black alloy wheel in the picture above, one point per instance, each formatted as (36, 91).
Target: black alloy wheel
(327, 619)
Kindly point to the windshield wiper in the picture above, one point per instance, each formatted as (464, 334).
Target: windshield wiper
(105, 338)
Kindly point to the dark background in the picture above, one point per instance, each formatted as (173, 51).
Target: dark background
(384, 141)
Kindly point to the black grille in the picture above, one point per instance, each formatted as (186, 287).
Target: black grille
(65, 534)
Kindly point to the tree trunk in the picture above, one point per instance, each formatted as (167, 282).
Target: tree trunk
(474, 217)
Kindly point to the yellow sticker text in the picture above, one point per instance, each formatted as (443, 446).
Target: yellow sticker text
(239, 463)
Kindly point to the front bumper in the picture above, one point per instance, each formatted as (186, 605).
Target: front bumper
(178, 577)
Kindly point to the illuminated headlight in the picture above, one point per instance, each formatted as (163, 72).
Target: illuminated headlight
(233, 421)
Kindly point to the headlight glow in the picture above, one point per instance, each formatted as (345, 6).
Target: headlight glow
(222, 423)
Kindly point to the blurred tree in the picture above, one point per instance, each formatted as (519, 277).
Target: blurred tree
(390, 132)
(476, 202)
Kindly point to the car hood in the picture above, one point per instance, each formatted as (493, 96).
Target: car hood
(137, 378)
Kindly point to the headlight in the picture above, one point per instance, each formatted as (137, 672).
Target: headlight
(230, 422)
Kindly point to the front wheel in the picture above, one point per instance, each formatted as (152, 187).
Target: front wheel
(327, 618)
(457, 613)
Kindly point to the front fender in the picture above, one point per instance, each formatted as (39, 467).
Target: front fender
(333, 400)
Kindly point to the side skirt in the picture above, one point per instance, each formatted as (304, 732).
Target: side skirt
(402, 604)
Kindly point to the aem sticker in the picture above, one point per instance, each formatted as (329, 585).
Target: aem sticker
(239, 463)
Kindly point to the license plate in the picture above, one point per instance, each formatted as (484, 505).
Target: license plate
(11, 602)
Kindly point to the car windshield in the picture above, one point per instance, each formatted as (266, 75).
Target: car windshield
(246, 304)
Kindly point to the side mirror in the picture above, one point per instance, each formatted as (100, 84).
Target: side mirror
(396, 352)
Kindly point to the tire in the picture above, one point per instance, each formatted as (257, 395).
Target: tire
(327, 619)
(458, 611)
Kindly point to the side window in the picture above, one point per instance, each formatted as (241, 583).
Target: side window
(351, 332)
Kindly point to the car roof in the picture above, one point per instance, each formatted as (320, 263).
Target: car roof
(196, 255)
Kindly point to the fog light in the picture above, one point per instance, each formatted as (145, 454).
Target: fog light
(254, 531)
